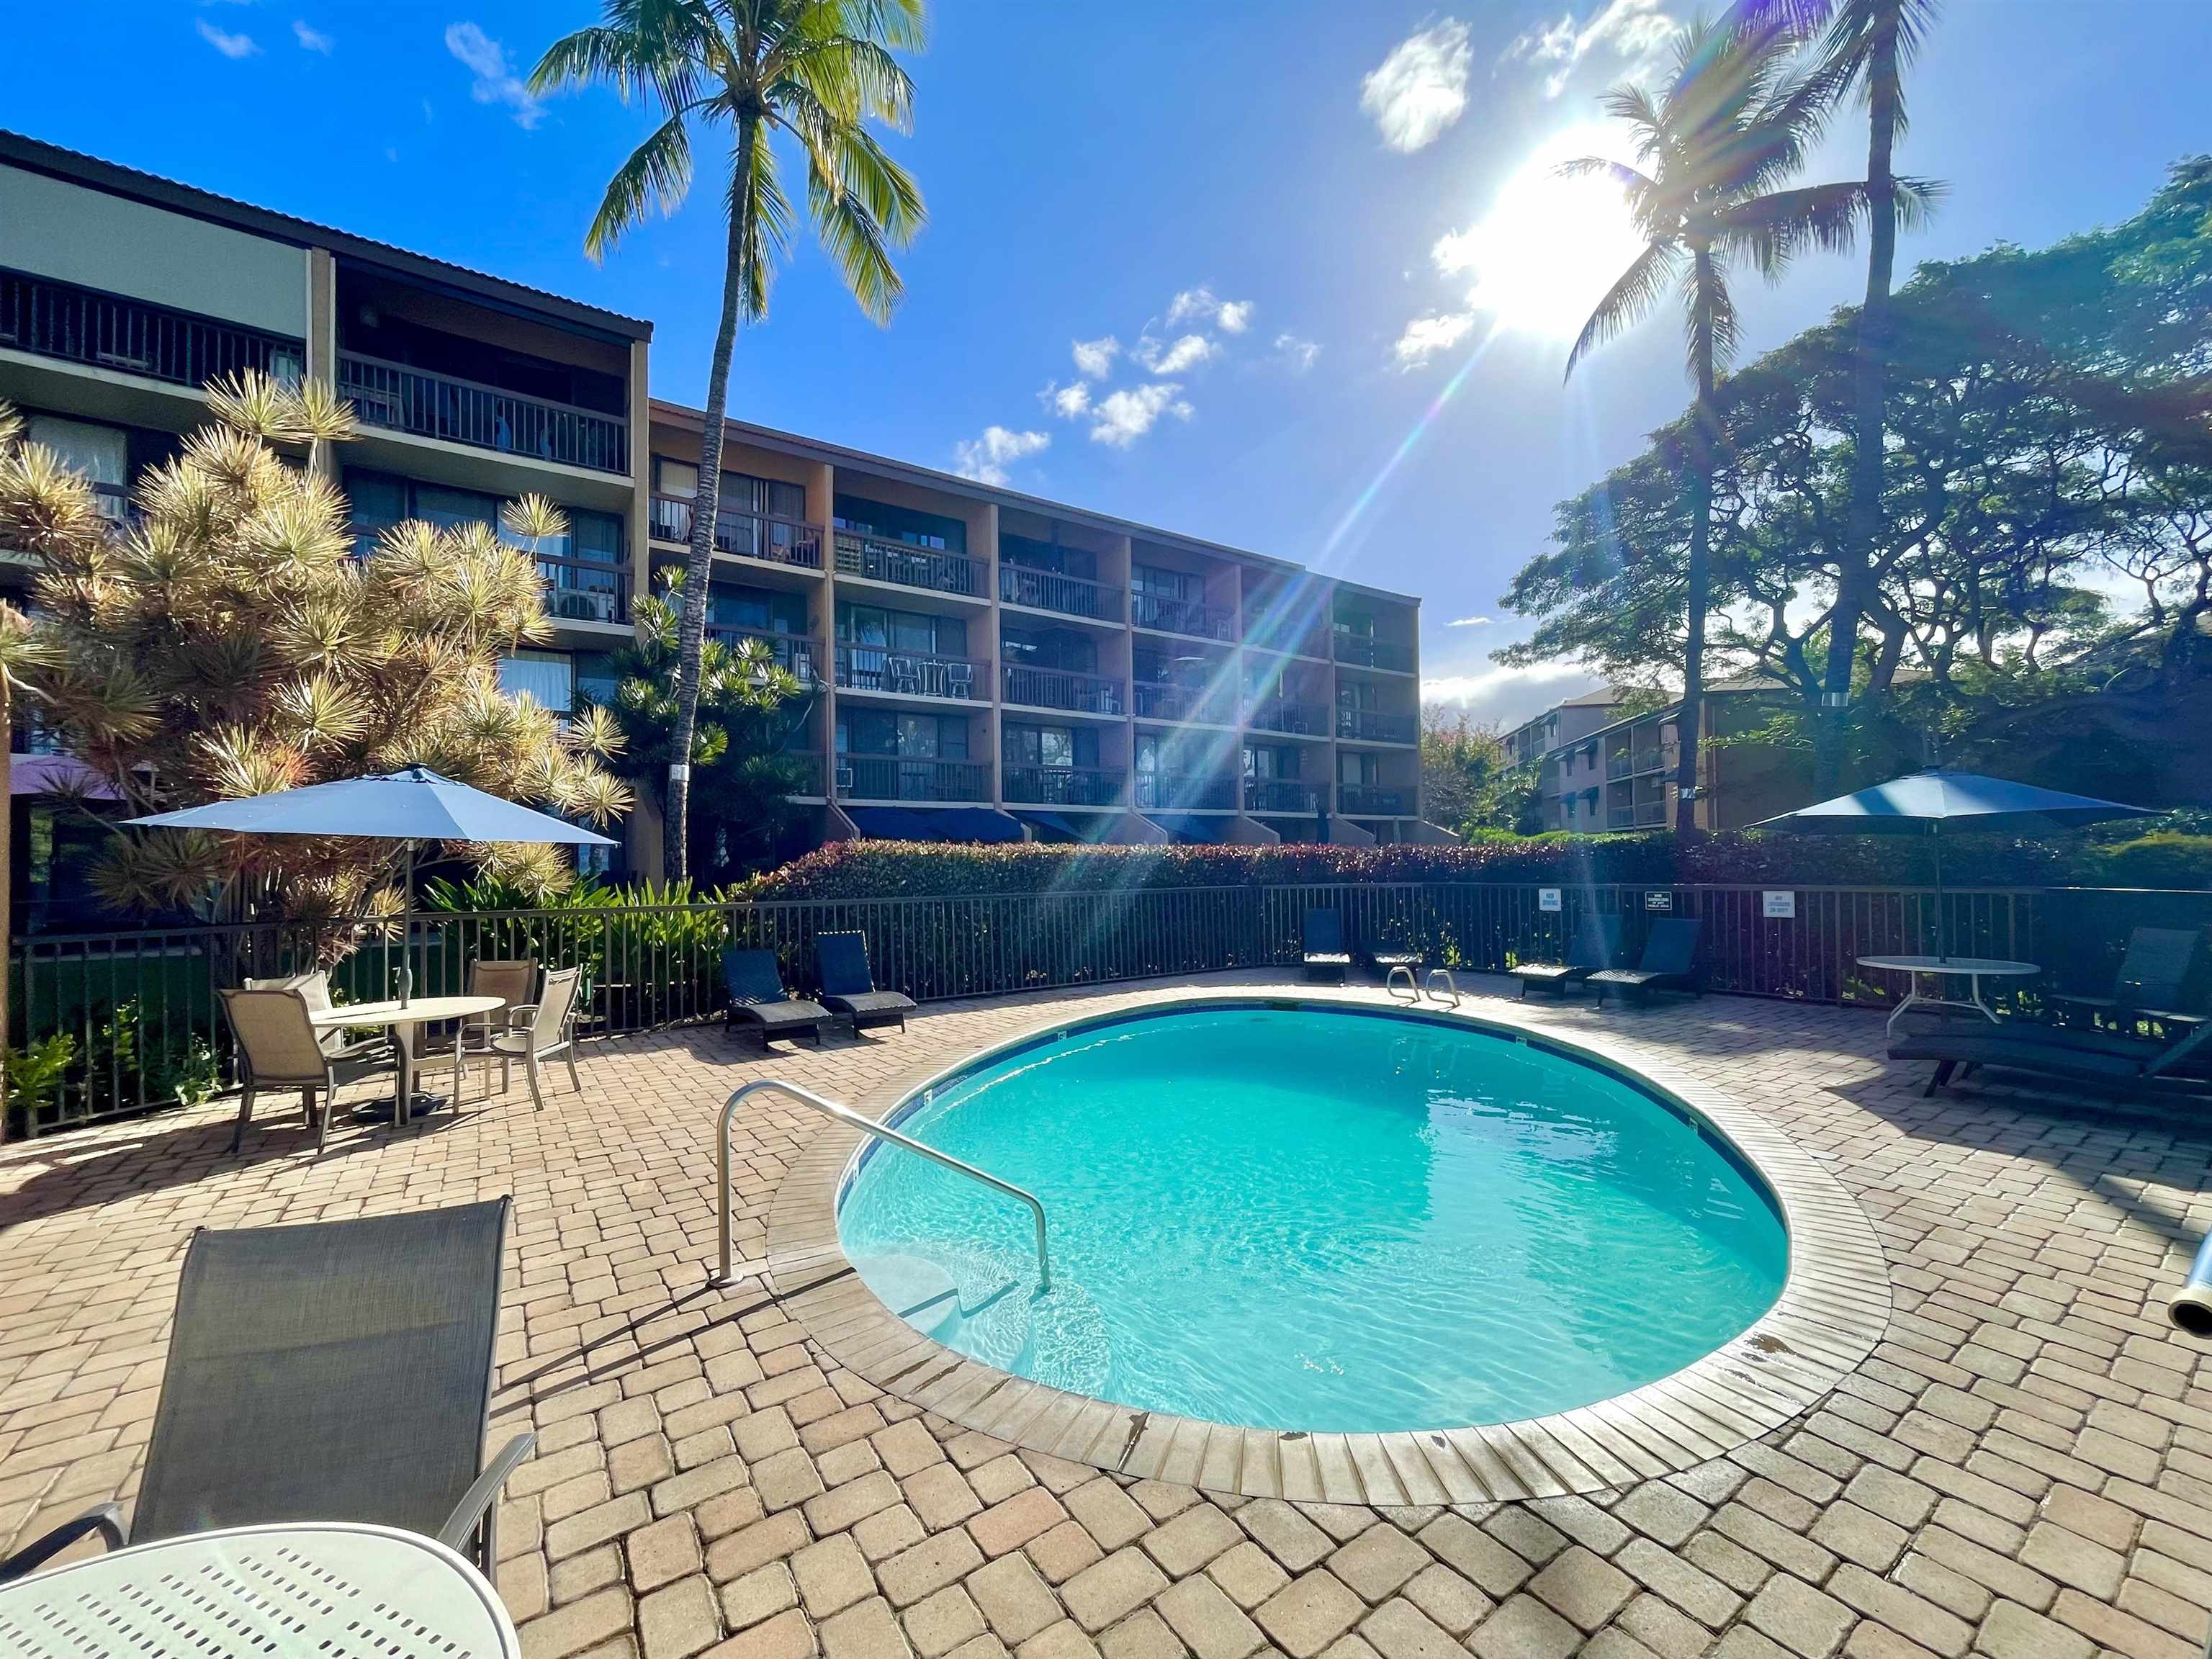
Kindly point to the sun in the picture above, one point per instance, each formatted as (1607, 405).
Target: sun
(1549, 247)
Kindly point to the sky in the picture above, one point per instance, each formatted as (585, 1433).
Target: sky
(1290, 275)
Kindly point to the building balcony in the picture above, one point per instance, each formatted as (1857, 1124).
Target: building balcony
(1372, 726)
(1364, 650)
(908, 673)
(1280, 795)
(1157, 700)
(1065, 596)
(585, 590)
(926, 568)
(1635, 763)
(1185, 616)
(742, 534)
(1058, 688)
(398, 398)
(800, 656)
(1303, 720)
(105, 330)
(1064, 786)
(894, 777)
(1185, 791)
(1368, 800)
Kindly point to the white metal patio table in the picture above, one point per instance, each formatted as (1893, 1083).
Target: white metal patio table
(1973, 970)
(334, 1589)
(401, 1019)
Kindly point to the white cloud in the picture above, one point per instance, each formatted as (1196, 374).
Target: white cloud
(496, 82)
(1420, 88)
(1427, 338)
(1298, 353)
(1234, 316)
(312, 39)
(985, 458)
(1507, 697)
(1094, 359)
(230, 45)
(1067, 401)
(1178, 357)
(1471, 622)
(1635, 32)
(1121, 417)
(1201, 306)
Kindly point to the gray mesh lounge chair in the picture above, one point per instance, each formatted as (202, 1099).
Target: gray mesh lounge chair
(541, 1030)
(757, 998)
(1323, 933)
(2158, 978)
(1670, 962)
(848, 984)
(2101, 1060)
(1596, 947)
(337, 1371)
(279, 1048)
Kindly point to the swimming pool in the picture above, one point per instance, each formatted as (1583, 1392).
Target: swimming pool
(1318, 1218)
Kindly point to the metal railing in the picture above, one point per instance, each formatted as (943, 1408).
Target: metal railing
(585, 590)
(1309, 719)
(893, 777)
(1050, 590)
(1373, 725)
(1366, 800)
(912, 673)
(1064, 786)
(1061, 687)
(741, 532)
(1280, 795)
(1187, 616)
(1164, 699)
(929, 567)
(403, 399)
(1364, 651)
(867, 1126)
(1185, 791)
(51, 319)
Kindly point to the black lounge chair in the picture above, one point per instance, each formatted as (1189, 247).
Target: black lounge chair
(1596, 947)
(1382, 960)
(2159, 979)
(757, 998)
(848, 984)
(1326, 958)
(2103, 1061)
(1670, 962)
(336, 1371)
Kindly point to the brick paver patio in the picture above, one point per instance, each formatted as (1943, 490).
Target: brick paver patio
(2023, 1469)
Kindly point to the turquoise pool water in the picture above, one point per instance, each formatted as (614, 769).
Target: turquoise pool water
(1304, 1219)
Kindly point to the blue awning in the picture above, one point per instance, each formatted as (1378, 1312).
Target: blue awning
(949, 823)
(1049, 826)
(1192, 829)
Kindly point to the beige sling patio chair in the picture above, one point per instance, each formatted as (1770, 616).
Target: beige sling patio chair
(539, 1032)
(315, 989)
(514, 982)
(279, 1048)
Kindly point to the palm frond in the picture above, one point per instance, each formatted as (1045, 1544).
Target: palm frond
(1774, 228)
(656, 175)
(1627, 301)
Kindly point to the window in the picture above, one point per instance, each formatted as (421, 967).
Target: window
(900, 524)
(1060, 746)
(675, 478)
(1161, 583)
(1049, 647)
(902, 630)
(757, 610)
(101, 453)
(1356, 766)
(1264, 763)
(1034, 555)
(547, 678)
(743, 493)
(595, 675)
(454, 508)
(879, 732)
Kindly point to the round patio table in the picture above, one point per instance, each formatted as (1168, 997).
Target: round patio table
(334, 1589)
(401, 1019)
(1973, 970)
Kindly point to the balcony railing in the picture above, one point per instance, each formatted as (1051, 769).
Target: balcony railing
(1365, 800)
(1309, 719)
(403, 399)
(1185, 791)
(741, 533)
(585, 590)
(929, 567)
(1057, 688)
(1372, 726)
(1064, 786)
(796, 652)
(1362, 651)
(1157, 700)
(1048, 590)
(893, 777)
(1203, 622)
(911, 673)
(105, 330)
(1280, 795)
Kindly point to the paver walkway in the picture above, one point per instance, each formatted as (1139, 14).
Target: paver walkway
(2022, 1470)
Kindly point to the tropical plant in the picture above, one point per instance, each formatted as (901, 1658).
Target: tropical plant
(227, 641)
(20, 648)
(1728, 127)
(817, 71)
(1467, 783)
(35, 1073)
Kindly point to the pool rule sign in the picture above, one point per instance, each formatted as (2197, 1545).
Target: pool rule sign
(1779, 907)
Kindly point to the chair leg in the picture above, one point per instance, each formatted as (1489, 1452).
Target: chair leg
(506, 1074)
(575, 1082)
(530, 1073)
(245, 1117)
(1943, 1069)
(323, 1127)
(307, 1109)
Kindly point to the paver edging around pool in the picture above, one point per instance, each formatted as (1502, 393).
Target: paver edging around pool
(1833, 1309)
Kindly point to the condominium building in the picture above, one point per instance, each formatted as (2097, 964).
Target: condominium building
(1620, 774)
(979, 663)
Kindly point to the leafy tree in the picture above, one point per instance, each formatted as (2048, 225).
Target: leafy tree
(1468, 784)
(227, 641)
(817, 71)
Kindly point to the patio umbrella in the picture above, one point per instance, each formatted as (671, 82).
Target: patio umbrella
(1927, 802)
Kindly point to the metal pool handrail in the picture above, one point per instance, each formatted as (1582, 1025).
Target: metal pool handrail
(867, 1126)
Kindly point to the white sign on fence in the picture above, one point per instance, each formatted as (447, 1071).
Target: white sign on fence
(1658, 901)
(1548, 898)
(1779, 907)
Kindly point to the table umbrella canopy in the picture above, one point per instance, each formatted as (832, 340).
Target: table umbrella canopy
(416, 804)
(1962, 802)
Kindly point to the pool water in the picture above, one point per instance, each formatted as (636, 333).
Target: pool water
(1306, 1218)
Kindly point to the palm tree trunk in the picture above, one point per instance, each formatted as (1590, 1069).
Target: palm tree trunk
(1869, 398)
(706, 504)
(7, 882)
(1704, 426)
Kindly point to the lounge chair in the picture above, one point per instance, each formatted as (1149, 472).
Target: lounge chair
(1326, 958)
(1596, 948)
(279, 1048)
(757, 998)
(1383, 960)
(848, 984)
(2159, 979)
(542, 1030)
(336, 1371)
(1670, 962)
(2097, 1060)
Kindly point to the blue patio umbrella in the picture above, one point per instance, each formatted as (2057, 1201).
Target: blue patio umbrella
(1966, 803)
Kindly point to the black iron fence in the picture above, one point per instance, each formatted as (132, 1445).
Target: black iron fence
(105, 1024)
(134, 336)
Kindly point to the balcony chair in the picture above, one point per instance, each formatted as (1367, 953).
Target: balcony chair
(336, 1371)
(1325, 956)
(848, 984)
(279, 1048)
(757, 998)
(539, 1031)
(1669, 962)
(902, 674)
(1596, 948)
(960, 679)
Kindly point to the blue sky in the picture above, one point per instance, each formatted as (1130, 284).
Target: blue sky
(1342, 197)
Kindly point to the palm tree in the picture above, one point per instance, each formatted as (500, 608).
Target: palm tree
(819, 70)
(1728, 125)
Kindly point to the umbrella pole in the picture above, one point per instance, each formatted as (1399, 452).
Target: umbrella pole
(1942, 944)
(407, 925)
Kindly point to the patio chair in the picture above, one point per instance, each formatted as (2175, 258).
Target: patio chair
(1383, 960)
(1669, 962)
(1596, 948)
(848, 984)
(336, 1371)
(757, 998)
(1326, 958)
(314, 988)
(960, 679)
(541, 1030)
(514, 981)
(279, 1048)
(2158, 978)
(2102, 1061)
(902, 674)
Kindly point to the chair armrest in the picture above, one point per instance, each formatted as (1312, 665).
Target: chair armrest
(106, 1521)
(484, 1490)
